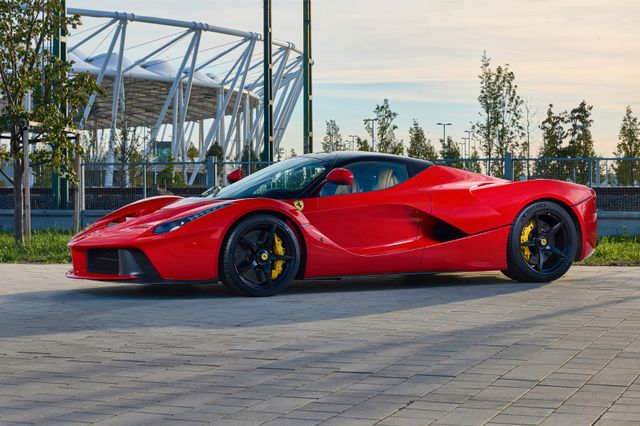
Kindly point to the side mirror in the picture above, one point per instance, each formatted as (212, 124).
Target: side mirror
(234, 176)
(340, 176)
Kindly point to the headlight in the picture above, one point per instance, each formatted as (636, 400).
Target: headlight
(166, 227)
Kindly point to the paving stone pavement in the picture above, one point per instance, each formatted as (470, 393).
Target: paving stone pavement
(451, 349)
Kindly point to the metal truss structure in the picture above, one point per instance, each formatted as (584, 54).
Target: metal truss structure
(201, 77)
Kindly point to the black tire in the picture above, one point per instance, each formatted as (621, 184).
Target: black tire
(507, 274)
(545, 250)
(251, 252)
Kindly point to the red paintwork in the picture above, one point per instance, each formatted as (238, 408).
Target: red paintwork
(234, 176)
(378, 232)
(340, 176)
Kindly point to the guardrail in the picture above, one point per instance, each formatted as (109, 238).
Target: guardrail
(616, 180)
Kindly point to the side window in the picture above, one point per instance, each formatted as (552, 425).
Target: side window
(369, 176)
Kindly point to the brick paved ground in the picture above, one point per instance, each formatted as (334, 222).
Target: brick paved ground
(448, 349)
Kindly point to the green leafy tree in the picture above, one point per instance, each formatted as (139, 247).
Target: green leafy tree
(362, 144)
(419, 146)
(567, 135)
(581, 143)
(553, 136)
(249, 155)
(28, 66)
(168, 178)
(474, 164)
(499, 127)
(128, 146)
(332, 140)
(386, 140)
(628, 171)
(192, 152)
(215, 150)
(450, 151)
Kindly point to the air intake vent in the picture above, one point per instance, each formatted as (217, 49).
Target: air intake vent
(103, 261)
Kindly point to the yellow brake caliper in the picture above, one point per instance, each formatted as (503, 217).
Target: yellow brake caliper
(524, 237)
(278, 265)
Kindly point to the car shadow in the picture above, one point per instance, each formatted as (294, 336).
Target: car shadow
(99, 306)
(325, 285)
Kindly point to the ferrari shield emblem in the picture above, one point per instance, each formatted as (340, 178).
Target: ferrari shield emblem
(298, 204)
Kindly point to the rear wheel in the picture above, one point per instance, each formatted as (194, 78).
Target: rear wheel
(542, 243)
(260, 257)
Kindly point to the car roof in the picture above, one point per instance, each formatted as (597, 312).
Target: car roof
(345, 157)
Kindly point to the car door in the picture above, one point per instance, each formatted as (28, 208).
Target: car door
(373, 224)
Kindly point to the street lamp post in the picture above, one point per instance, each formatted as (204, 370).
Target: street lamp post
(373, 131)
(353, 142)
(469, 133)
(465, 150)
(444, 131)
(462, 146)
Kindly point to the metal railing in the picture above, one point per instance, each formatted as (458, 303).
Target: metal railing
(616, 180)
(589, 171)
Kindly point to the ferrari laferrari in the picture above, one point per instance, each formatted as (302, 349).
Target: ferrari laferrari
(343, 214)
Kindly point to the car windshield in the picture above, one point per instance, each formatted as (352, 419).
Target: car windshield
(283, 180)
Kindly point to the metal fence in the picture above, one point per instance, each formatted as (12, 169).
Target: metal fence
(616, 180)
(592, 172)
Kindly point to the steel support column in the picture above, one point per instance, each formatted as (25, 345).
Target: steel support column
(307, 75)
(267, 93)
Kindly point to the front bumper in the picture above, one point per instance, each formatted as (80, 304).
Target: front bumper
(112, 264)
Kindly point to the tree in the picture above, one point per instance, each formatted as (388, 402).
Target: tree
(475, 161)
(567, 135)
(450, 151)
(529, 115)
(419, 146)
(249, 155)
(581, 143)
(362, 144)
(332, 140)
(500, 125)
(128, 147)
(215, 150)
(553, 135)
(28, 66)
(192, 152)
(168, 178)
(628, 171)
(386, 140)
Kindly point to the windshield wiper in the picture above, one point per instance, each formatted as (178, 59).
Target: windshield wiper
(211, 192)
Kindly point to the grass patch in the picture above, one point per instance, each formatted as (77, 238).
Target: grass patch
(51, 247)
(616, 251)
(44, 247)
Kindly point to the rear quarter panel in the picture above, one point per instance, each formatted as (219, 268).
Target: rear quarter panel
(476, 203)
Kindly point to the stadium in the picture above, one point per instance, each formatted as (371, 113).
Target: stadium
(181, 84)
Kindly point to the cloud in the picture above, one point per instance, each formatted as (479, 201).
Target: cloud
(425, 54)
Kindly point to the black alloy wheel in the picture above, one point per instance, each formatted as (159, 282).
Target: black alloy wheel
(542, 244)
(260, 257)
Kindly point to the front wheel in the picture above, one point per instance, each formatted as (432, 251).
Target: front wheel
(260, 257)
(542, 244)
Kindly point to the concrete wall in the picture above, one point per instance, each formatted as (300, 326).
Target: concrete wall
(610, 223)
(50, 219)
(618, 223)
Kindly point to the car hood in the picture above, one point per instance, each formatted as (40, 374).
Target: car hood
(141, 215)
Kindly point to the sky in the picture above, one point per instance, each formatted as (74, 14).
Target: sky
(424, 56)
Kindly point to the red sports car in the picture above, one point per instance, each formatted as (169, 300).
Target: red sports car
(341, 214)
